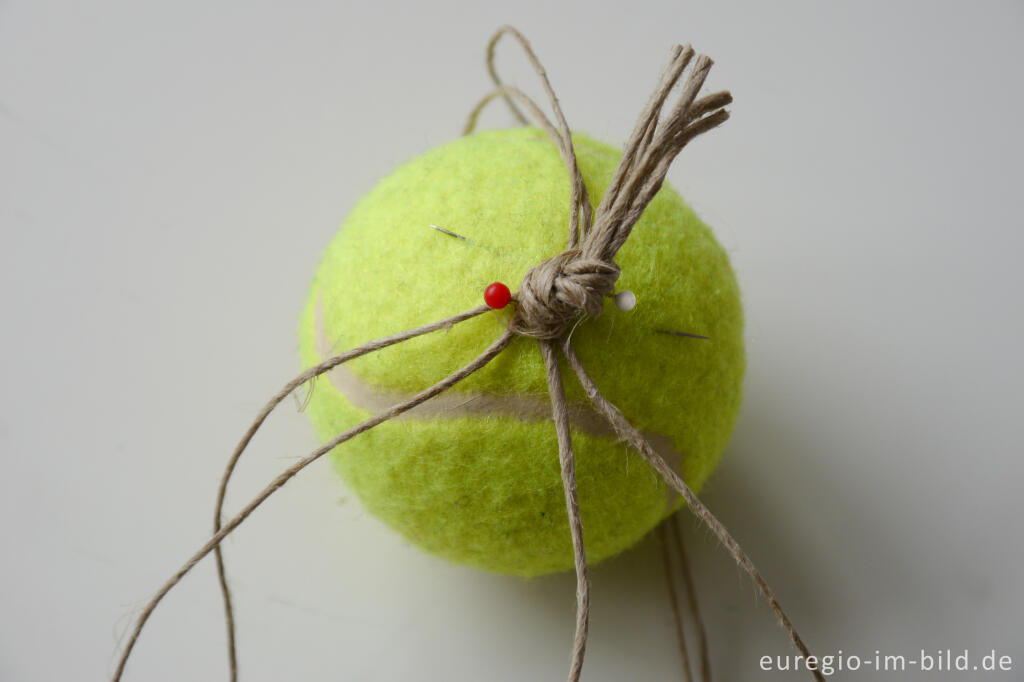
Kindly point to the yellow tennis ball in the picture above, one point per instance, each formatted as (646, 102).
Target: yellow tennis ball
(473, 475)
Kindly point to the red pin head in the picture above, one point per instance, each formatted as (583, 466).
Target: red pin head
(497, 295)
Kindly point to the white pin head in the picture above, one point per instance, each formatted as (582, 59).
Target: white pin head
(625, 300)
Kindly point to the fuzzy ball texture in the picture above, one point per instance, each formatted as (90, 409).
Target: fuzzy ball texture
(475, 478)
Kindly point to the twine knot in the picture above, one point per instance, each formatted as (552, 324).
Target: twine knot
(557, 291)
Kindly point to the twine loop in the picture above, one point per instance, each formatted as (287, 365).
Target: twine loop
(557, 291)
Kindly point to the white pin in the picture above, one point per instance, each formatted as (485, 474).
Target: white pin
(625, 300)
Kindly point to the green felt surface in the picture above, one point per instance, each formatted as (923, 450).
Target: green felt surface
(486, 490)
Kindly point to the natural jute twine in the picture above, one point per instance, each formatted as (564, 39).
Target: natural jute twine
(554, 296)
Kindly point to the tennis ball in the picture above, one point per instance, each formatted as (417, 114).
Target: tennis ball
(473, 475)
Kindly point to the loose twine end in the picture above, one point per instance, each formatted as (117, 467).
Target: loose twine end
(557, 292)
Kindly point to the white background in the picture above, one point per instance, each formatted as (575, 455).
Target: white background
(169, 173)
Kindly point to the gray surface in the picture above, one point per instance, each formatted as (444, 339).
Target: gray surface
(168, 176)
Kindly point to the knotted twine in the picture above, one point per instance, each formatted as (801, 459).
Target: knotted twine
(553, 296)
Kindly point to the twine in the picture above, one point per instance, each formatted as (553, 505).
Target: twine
(552, 298)
(671, 538)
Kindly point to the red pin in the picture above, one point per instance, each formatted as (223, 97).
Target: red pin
(497, 295)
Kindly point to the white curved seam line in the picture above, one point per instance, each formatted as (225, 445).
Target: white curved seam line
(449, 405)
